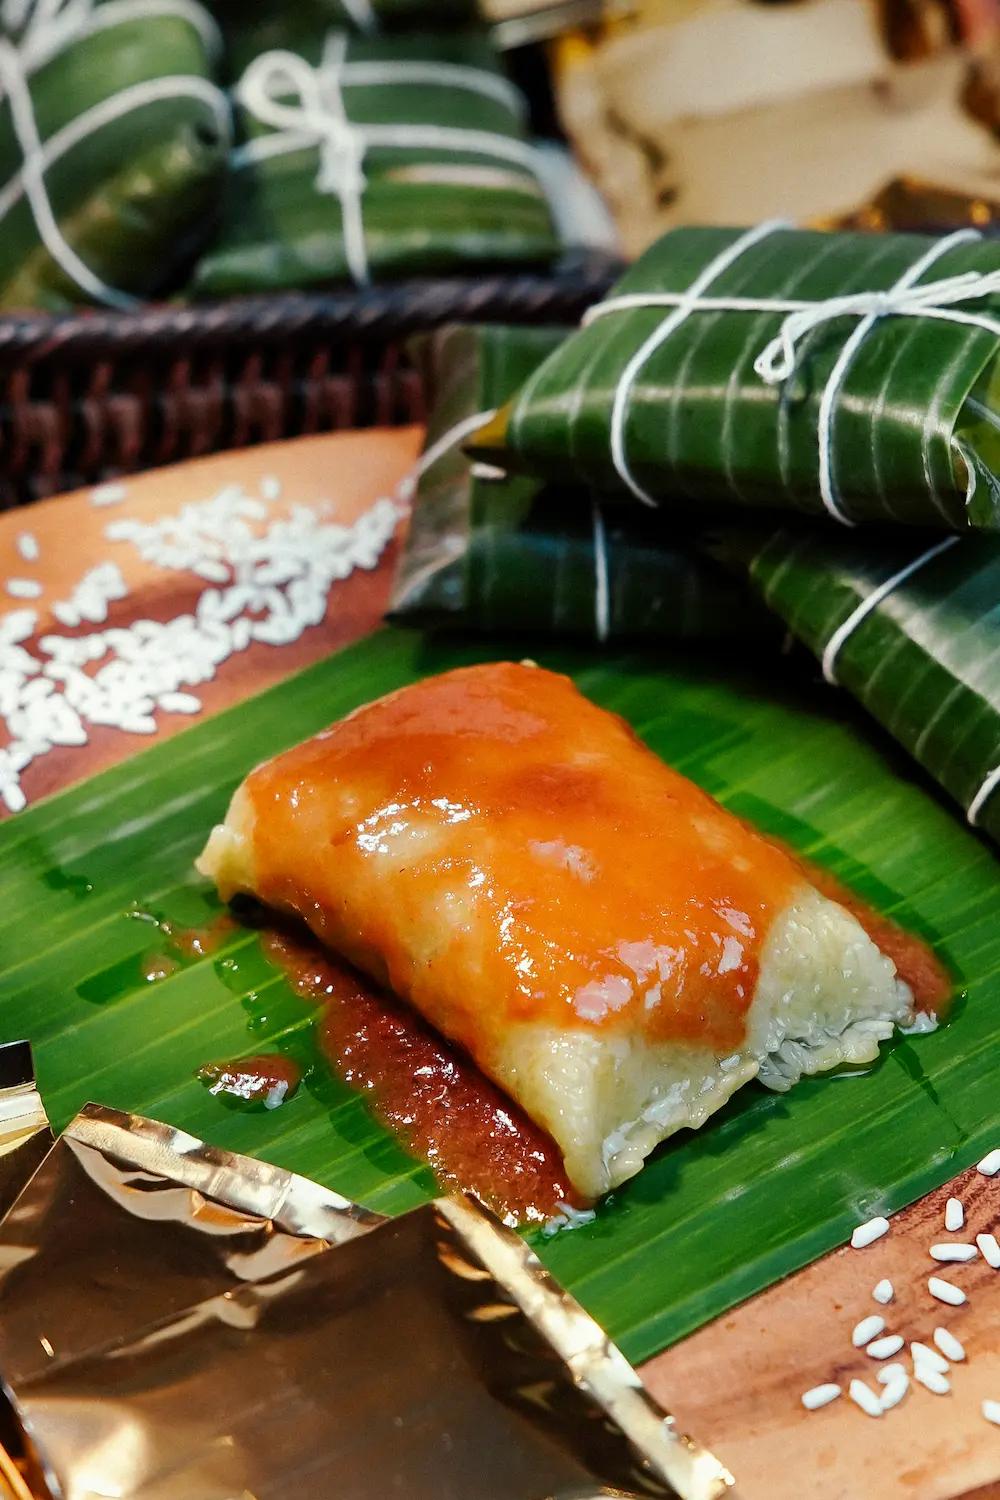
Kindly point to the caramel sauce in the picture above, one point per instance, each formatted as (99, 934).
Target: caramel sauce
(267, 1079)
(433, 1098)
(198, 942)
(496, 849)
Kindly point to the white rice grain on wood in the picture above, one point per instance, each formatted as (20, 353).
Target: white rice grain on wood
(820, 1395)
(866, 1234)
(946, 1291)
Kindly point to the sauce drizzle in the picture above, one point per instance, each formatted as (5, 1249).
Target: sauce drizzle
(433, 1097)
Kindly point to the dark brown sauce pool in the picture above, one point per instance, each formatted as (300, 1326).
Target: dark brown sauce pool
(430, 1095)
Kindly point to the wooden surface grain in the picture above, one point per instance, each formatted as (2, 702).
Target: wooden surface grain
(737, 1383)
(337, 475)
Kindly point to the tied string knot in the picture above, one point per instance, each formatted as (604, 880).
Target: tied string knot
(284, 92)
(777, 360)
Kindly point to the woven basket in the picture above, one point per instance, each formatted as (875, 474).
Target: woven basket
(88, 396)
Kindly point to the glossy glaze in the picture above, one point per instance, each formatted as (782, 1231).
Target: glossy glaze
(429, 1094)
(498, 850)
(268, 1078)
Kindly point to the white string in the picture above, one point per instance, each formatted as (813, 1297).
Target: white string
(52, 26)
(602, 602)
(777, 360)
(872, 601)
(828, 400)
(362, 13)
(979, 800)
(442, 445)
(112, 108)
(687, 303)
(304, 107)
(341, 169)
(437, 75)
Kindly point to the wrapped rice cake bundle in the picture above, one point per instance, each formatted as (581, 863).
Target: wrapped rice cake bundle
(374, 157)
(113, 146)
(494, 553)
(911, 627)
(844, 375)
(612, 947)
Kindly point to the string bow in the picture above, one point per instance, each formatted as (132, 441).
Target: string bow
(283, 91)
(929, 299)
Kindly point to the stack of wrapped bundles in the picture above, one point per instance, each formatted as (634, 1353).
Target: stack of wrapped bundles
(113, 146)
(820, 412)
(487, 552)
(366, 157)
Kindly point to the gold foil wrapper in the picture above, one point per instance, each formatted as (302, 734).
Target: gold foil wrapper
(25, 1135)
(177, 1323)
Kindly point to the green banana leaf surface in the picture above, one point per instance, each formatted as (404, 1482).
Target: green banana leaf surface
(666, 404)
(514, 553)
(423, 207)
(133, 187)
(911, 627)
(769, 1183)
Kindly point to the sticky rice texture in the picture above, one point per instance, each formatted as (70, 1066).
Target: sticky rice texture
(825, 997)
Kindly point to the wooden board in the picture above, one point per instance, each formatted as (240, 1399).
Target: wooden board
(738, 1382)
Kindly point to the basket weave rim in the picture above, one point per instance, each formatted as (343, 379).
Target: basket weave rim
(389, 310)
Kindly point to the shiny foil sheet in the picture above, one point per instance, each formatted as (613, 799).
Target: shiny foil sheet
(173, 1328)
(25, 1136)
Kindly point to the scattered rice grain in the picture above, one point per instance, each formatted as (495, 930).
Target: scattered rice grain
(885, 1348)
(108, 494)
(932, 1379)
(862, 1395)
(989, 1249)
(991, 1411)
(949, 1345)
(894, 1391)
(868, 1329)
(923, 1354)
(883, 1291)
(889, 1372)
(954, 1215)
(946, 1291)
(867, 1233)
(953, 1250)
(820, 1395)
(990, 1164)
(23, 588)
(27, 546)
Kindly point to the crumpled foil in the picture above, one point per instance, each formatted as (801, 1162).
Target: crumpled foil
(25, 1135)
(174, 1325)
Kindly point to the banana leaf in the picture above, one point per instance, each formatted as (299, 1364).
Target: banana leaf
(132, 188)
(769, 1183)
(911, 628)
(914, 422)
(422, 207)
(515, 553)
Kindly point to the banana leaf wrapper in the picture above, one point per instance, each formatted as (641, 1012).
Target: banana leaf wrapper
(515, 553)
(133, 195)
(271, 25)
(180, 1321)
(914, 427)
(911, 627)
(423, 209)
